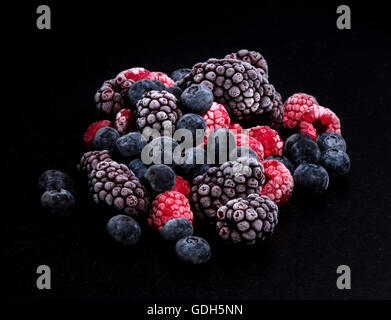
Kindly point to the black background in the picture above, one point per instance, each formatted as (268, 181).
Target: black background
(58, 72)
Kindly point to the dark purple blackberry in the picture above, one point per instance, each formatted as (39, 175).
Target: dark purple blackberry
(197, 99)
(90, 159)
(55, 180)
(252, 57)
(195, 126)
(124, 229)
(331, 140)
(111, 97)
(130, 145)
(157, 111)
(58, 202)
(176, 229)
(247, 220)
(193, 250)
(335, 161)
(311, 177)
(179, 74)
(105, 139)
(139, 88)
(159, 178)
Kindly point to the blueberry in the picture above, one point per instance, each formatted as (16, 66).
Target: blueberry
(335, 161)
(176, 229)
(124, 229)
(55, 180)
(140, 87)
(176, 91)
(137, 167)
(159, 178)
(304, 151)
(330, 140)
(221, 142)
(105, 139)
(193, 250)
(179, 74)
(161, 150)
(285, 161)
(197, 99)
(196, 125)
(311, 177)
(58, 202)
(242, 151)
(292, 140)
(130, 145)
(195, 163)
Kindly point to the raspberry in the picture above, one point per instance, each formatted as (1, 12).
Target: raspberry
(125, 122)
(167, 81)
(134, 74)
(271, 141)
(318, 120)
(279, 182)
(245, 140)
(235, 127)
(182, 186)
(294, 108)
(216, 117)
(92, 130)
(169, 205)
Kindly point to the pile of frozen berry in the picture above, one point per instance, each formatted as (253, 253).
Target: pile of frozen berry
(177, 153)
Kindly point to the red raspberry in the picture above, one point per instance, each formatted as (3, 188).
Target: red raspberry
(92, 130)
(245, 140)
(182, 186)
(318, 120)
(294, 108)
(125, 122)
(278, 182)
(169, 205)
(168, 82)
(217, 117)
(271, 141)
(235, 127)
(134, 74)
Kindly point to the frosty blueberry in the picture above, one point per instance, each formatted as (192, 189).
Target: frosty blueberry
(105, 139)
(58, 202)
(335, 161)
(311, 177)
(124, 229)
(193, 250)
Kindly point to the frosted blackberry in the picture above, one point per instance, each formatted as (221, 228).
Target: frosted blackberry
(124, 229)
(105, 139)
(90, 159)
(176, 229)
(157, 110)
(311, 177)
(58, 202)
(335, 161)
(244, 221)
(331, 140)
(159, 178)
(55, 180)
(197, 99)
(193, 250)
(195, 125)
(130, 145)
(140, 87)
(112, 97)
(252, 57)
(137, 167)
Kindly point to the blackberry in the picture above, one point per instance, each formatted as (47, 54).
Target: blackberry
(124, 229)
(55, 180)
(239, 87)
(139, 88)
(105, 139)
(218, 185)
(304, 151)
(252, 57)
(130, 145)
(137, 167)
(292, 140)
(176, 229)
(330, 140)
(114, 185)
(311, 177)
(193, 250)
(221, 142)
(335, 161)
(157, 110)
(242, 151)
(195, 163)
(247, 220)
(161, 150)
(159, 178)
(111, 97)
(58, 202)
(195, 125)
(90, 159)
(179, 74)
(285, 161)
(197, 99)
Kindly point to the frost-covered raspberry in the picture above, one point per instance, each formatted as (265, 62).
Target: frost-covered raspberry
(245, 140)
(279, 182)
(134, 74)
(167, 81)
(269, 138)
(294, 108)
(169, 205)
(235, 127)
(182, 186)
(318, 120)
(125, 122)
(217, 117)
(92, 130)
